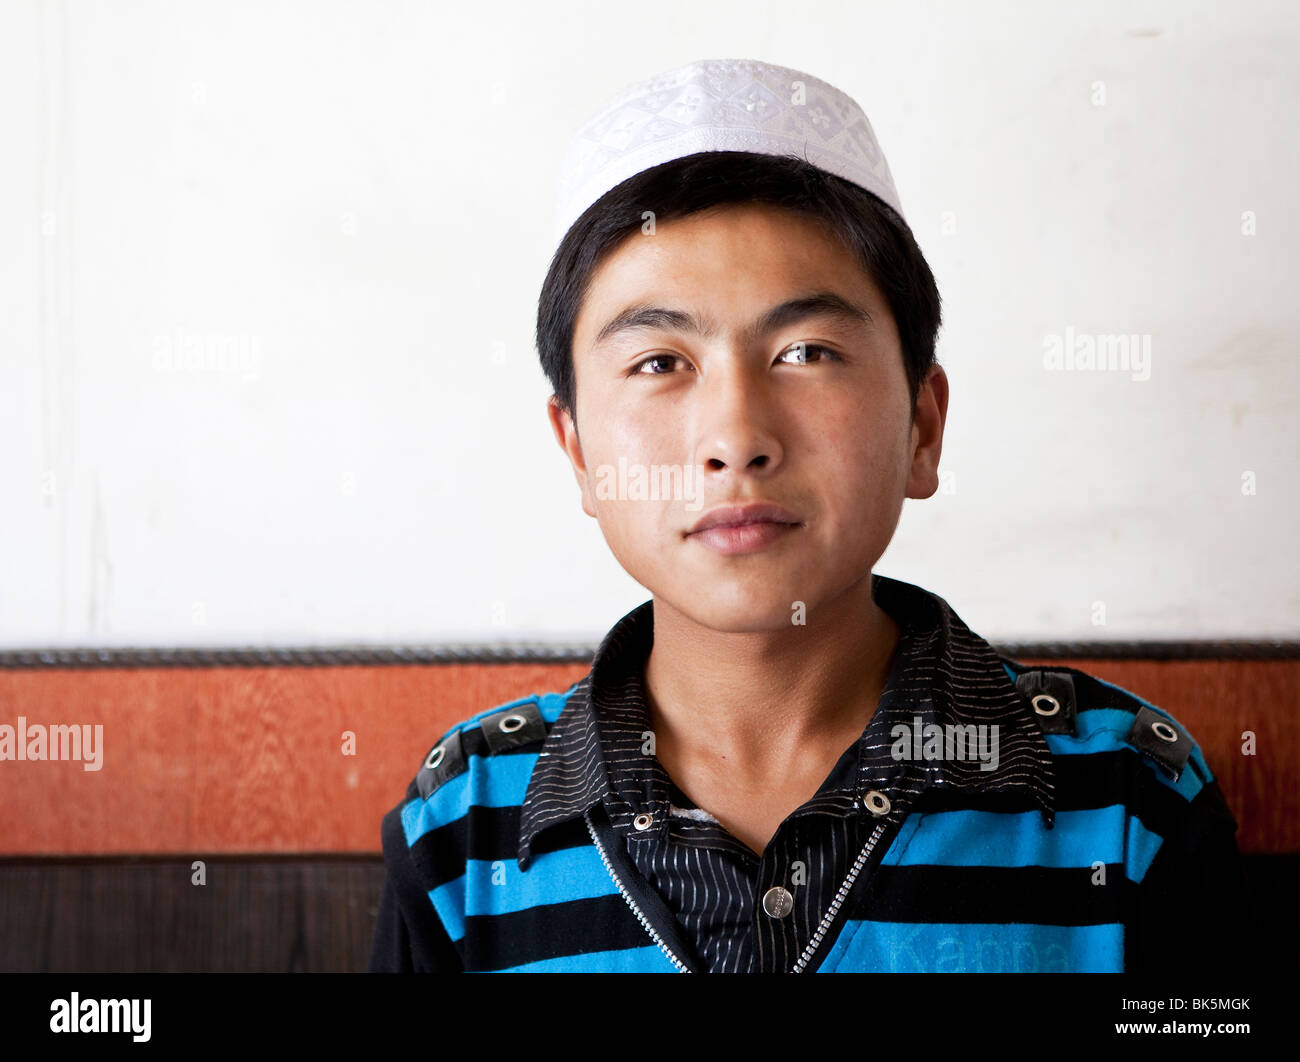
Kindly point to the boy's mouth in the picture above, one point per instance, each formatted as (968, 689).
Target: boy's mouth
(742, 515)
(743, 529)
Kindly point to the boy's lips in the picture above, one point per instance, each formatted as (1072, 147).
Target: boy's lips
(739, 516)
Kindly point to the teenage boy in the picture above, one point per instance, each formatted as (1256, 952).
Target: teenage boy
(783, 762)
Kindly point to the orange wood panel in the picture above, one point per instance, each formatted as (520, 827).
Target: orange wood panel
(207, 761)
(248, 760)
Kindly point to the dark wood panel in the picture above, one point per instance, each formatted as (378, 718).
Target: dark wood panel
(252, 916)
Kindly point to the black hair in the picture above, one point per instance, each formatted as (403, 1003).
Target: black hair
(874, 232)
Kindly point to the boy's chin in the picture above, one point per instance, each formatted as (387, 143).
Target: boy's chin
(733, 611)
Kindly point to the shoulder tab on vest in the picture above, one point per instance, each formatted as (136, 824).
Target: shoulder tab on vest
(445, 760)
(1161, 740)
(1051, 695)
(498, 731)
(520, 724)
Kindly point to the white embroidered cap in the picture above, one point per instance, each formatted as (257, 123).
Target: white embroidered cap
(720, 105)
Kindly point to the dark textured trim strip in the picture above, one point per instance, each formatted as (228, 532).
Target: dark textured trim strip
(536, 653)
(316, 656)
(1264, 649)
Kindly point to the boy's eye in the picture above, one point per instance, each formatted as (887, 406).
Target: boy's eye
(637, 368)
(806, 349)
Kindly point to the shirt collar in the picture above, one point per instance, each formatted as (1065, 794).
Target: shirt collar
(942, 673)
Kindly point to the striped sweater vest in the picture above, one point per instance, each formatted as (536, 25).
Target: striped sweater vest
(956, 883)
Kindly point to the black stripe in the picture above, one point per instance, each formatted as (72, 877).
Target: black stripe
(549, 931)
(485, 833)
(1086, 782)
(1038, 895)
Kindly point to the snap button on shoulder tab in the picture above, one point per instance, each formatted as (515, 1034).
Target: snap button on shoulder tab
(445, 760)
(1045, 704)
(1161, 741)
(1164, 731)
(642, 822)
(511, 727)
(1052, 697)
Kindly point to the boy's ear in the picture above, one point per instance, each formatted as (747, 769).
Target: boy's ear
(927, 434)
(566, 434)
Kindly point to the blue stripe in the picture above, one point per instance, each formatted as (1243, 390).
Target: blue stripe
(494, 887)
(1197, 757)
(505, 785)
(1003, 839)
(1105, 730)
(1142, 848)
(552, 704)
(625, 960)
(910, 947)
(449, 901)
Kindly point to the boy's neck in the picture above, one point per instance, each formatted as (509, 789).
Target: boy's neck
(755, 701)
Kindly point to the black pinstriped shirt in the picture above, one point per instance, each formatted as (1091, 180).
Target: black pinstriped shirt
(746, 913)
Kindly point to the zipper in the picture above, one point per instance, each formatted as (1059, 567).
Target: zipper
(813, 944)
(839, 897)
(645, 922)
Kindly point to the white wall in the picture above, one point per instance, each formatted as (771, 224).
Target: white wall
(346, 207)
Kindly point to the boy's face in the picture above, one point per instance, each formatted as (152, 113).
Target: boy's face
(832, 441)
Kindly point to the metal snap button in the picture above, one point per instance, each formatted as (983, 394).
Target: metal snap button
(435, 757)
(1164, 732)
(1050, 705)
(876, 802)
(643, 821)
(778, 902)
(511, 723)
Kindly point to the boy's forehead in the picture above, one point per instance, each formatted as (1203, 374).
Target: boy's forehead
(734, 228)
(753, 254)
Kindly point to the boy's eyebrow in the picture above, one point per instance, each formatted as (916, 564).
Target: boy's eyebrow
(815, 304)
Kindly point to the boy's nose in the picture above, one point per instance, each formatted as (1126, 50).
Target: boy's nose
(735, 428)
